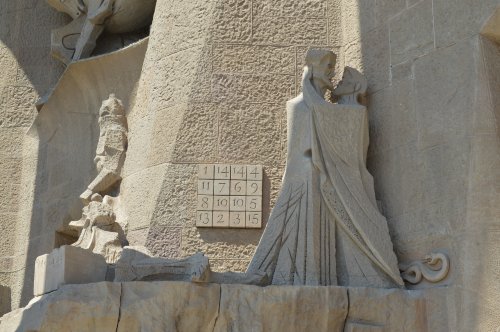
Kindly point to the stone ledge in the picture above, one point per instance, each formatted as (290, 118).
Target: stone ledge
(181, 306)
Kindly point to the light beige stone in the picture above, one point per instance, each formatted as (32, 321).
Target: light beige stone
(412, 33)
(221, 203)
(180, 306)
(90, 19)
(220, 187)
(460, 20)
(164, 241)
(67, 265)
(4, 300)
(220, 219)
(250, 59)
(307, 8)
(398, 310)
(93, 307)
(111, 148)
(98, 230)
(371, 54)
(137, 264)
(290, 30)
(262, 309)
(204, 219)
(444, 108)
(435, 169)
(326, 207)
(237, 219)
(177, 306)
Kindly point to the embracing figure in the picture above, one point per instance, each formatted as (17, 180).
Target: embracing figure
(325, 228)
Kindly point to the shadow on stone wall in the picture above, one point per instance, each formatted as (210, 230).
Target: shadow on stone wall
(433, 143)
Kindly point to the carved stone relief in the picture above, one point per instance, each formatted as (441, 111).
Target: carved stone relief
(91, 18)
(111, 148)
(325, 228)
(433, 268)
(99, 231)
(229, 196)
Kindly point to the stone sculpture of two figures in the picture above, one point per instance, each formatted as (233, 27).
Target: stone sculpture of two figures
(326, 228)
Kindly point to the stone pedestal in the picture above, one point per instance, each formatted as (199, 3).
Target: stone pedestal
(181, 306)
(67, 265)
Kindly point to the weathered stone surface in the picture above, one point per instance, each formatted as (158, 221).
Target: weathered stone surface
(67, 265)
(219, 243)
(5, 299)
(457, 21)
(412, 33)
(251, 59)
(262, 309)
(443, 103)
(253, 88)
(393, 117)
(92, 307)
(322, 230)
(176, 306)
(8, 228)
(394, 310)
(290, 30)
(17, 106)
(175, 204)
(305, 8)
(89, 21)
(251, 136)
(371, 55)
(439, 190)
(181, 306)
(137, 264)
(164, 241)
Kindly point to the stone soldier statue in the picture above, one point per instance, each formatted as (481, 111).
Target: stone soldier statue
(97, 228)
(111, 148)
(326, 228)
(91, 18)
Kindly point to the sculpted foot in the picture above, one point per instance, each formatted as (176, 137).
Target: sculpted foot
(201, 271)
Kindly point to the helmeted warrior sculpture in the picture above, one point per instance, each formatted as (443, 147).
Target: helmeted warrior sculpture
(111, 148)
(91, 18)
(98, 229)
(326, 228)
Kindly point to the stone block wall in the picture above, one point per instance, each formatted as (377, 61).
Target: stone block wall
(434, 149)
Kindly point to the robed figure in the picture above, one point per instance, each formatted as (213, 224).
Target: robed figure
(325, 228)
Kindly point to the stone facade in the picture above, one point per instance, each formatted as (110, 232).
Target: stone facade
(210, 86)
(137, 306)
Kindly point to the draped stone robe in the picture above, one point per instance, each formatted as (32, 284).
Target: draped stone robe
(325, 228)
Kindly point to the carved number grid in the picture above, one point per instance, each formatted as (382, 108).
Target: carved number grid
(229, 196)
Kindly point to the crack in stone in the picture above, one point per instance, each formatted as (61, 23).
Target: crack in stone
(119, 308)
(348, 309)
(218, 309)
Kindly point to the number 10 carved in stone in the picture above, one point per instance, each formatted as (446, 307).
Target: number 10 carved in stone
(229, 196)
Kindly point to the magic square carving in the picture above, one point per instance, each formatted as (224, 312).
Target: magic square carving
(229, 196)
